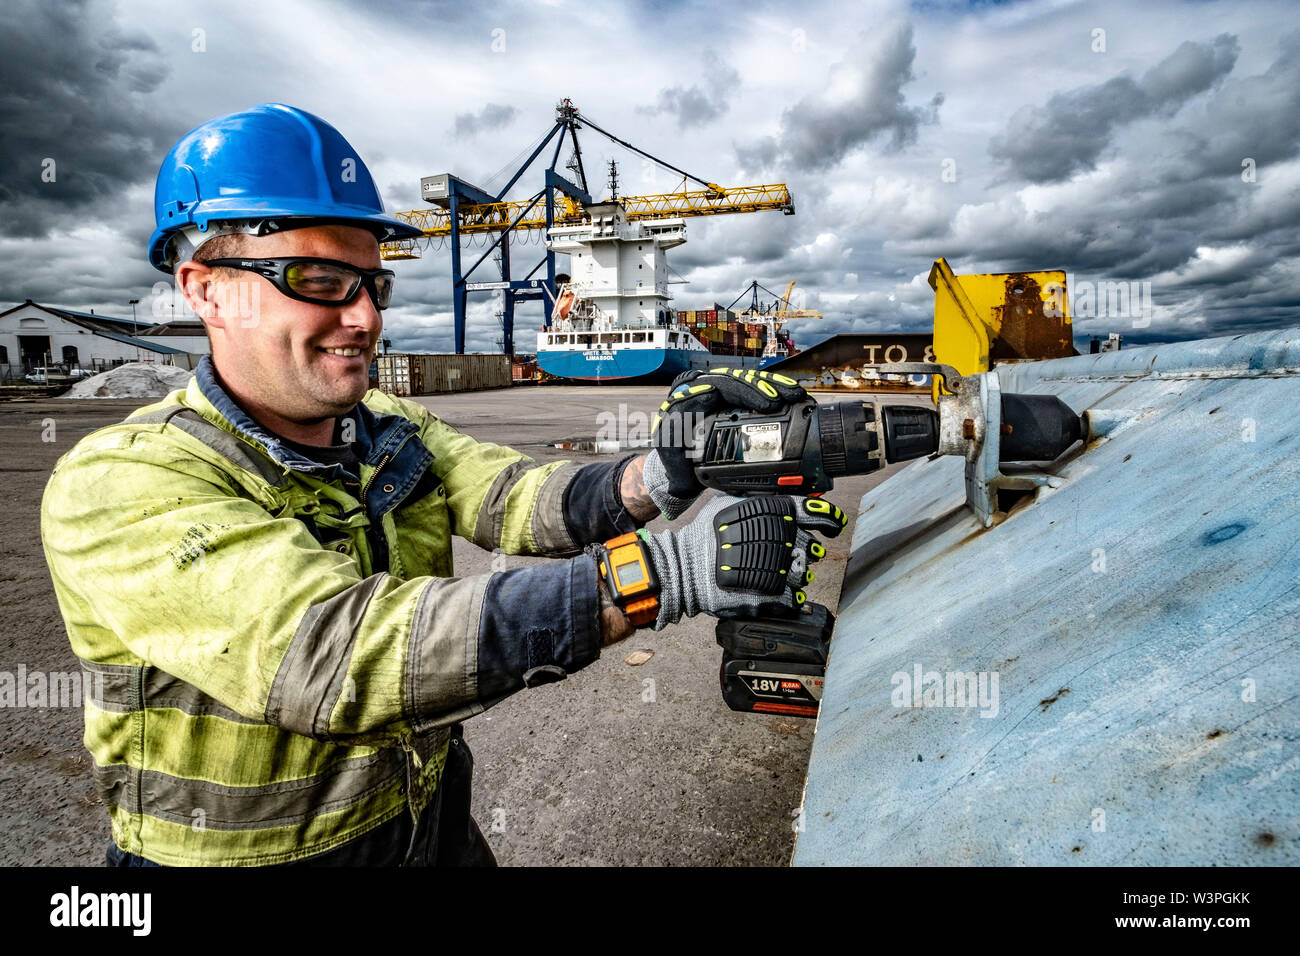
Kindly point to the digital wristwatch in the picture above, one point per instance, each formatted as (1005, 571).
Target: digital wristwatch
(624, 566)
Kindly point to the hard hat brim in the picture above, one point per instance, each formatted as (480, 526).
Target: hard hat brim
(386, 228)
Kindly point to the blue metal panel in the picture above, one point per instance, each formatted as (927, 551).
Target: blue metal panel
(145, 344)
(1140, 621)
(125, 323)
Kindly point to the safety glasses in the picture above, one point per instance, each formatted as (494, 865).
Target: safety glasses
(319, 281)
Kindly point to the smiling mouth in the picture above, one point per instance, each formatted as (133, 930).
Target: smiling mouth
(346, 352)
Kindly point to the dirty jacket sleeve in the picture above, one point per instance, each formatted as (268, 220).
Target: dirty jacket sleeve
(505, 501)
(160, 558)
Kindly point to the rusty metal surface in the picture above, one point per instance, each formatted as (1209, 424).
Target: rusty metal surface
(1025, 329)
(1129, 638)
(849, 362)
(987, 319)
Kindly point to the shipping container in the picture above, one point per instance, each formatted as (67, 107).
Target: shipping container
(406, 374)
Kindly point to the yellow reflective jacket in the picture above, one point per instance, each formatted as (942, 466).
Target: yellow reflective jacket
(275, 650)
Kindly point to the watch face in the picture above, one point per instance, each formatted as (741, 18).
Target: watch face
(628, 574)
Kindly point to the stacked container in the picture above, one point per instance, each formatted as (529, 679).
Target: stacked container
(405, 374)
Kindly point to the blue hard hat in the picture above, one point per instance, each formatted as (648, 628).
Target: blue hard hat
(271, 163)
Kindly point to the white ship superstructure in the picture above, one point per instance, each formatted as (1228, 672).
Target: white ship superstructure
(619, 266)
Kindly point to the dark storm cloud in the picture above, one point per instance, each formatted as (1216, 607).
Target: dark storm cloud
(1173, 205)
(1051, 143)
(817, 133)
(77, 88)
(753, 242)
(1250, 117)
(695, 105)
(493, 116)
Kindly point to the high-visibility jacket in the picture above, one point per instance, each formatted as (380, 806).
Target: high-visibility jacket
(274, 649)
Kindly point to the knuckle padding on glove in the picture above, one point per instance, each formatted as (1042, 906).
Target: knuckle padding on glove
(759, 391)
(755, 544)
(822, 516)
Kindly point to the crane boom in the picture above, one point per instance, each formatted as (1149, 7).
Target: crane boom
(435, 221)
(785, 299)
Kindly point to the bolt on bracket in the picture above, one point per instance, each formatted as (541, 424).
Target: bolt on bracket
(970, 425)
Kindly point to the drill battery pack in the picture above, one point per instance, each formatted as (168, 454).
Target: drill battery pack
(775, 664)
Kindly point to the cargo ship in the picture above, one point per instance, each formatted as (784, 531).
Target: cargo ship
(612, 319)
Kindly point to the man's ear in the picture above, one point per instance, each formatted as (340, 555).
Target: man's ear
(198, 285)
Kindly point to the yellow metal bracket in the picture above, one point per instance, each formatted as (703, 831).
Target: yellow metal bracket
(986, 318)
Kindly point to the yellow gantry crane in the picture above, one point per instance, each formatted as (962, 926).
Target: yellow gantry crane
(459, 208)
(779, 310)
(498, 216)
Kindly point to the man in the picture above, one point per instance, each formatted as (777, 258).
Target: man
(256, 572)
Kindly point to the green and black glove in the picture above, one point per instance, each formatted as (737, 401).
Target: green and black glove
(740, 554)
(681, 426)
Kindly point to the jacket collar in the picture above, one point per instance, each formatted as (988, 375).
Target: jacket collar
(377, 436)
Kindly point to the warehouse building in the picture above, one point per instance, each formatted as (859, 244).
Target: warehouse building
(39, 336)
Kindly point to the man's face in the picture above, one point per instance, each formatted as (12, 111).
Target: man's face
(283, 354)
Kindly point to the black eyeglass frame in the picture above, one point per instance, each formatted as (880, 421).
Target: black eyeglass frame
(274, 271)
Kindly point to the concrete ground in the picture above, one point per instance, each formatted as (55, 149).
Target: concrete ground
(618, 764)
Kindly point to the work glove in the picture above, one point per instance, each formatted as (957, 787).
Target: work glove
(740, 554)
(681, 426)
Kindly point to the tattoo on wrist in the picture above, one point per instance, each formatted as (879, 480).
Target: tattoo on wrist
(635, 495)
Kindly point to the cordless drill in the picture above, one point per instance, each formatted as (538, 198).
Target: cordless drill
(804, 447)
(776, 663)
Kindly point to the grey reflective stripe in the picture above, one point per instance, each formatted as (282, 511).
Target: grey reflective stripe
(289, 802)
(549, 530)
(442, 658)
(122, 688)
(310, 679)
(215, 437)
(492, 513)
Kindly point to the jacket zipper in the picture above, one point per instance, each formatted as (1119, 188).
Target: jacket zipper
(365, 489)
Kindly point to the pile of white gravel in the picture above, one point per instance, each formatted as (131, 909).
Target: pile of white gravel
(133, 380)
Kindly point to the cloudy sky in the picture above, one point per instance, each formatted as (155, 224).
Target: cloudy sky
(1157, 145)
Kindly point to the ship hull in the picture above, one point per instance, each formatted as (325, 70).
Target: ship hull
(636, 365)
